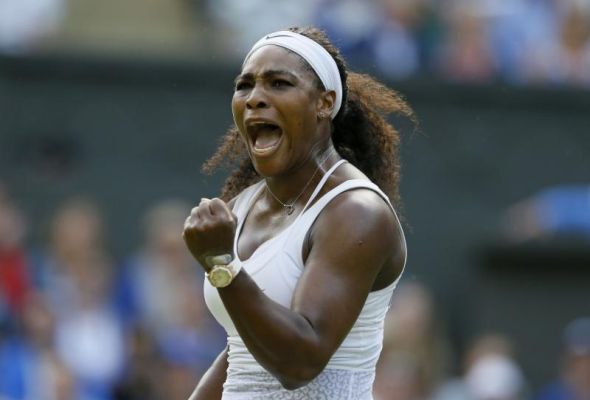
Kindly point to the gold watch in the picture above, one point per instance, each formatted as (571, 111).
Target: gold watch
(221, 275)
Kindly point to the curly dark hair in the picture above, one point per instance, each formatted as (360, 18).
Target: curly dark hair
(360, 132)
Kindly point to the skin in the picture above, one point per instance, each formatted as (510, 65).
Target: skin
(211, 384)
(355, 246)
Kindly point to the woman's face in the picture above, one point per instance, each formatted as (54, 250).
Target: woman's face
(275, 107)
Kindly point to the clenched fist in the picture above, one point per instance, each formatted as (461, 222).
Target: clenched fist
(210, 230)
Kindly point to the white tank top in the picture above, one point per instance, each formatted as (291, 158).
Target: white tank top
(276, 266)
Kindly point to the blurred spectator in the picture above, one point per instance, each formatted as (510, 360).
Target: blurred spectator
(75, 275)
(30, 367)
(520, 41)
(14, 274)
(160, 290)
(402, 40)
(180, 380)
(394, 35)
(24, 24)
(351, 23)
(481, 41)
(559, 210)
(90, 336)
(490, 373)
(142, 379)
(465, 53)
(517, 30)
(415, 352)
(244, 22)
(574, 382)
(564, 55)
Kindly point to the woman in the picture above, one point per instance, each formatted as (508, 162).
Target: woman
(303, 259)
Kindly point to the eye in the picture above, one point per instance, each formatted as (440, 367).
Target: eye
(243, 85)
(280, 83)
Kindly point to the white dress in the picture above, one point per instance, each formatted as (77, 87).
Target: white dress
(276, 266)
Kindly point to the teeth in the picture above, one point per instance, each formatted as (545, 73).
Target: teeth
(263, 124)
(264, 135)
(255, 128)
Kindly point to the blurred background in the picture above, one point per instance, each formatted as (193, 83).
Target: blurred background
(108, 108)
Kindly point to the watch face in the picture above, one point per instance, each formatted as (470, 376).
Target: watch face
(220, 276)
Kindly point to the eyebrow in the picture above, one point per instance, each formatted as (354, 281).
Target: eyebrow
(266, 74)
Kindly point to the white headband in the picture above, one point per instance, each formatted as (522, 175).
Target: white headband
(316, 56)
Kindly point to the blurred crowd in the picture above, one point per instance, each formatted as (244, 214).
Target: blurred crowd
(560, 210)
(76, 324)
(522, 42)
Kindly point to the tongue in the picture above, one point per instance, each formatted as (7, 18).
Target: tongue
(267, 138)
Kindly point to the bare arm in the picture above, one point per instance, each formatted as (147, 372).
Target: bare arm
(352, 241)
(210, 386)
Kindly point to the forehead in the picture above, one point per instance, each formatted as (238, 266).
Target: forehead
(276, 58)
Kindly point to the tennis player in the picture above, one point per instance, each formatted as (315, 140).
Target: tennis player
(303, 249)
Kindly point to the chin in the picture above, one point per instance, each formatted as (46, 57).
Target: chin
(267, 167)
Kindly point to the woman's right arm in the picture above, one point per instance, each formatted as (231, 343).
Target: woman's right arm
(210, 386)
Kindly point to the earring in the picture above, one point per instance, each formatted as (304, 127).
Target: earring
(322, 115)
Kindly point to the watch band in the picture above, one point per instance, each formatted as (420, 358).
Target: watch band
(220, 259)
(236, 266)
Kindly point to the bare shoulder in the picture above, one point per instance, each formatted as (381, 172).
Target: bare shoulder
(361, 217)
(362, 209)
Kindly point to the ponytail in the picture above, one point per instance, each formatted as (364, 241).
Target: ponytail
(363, 136)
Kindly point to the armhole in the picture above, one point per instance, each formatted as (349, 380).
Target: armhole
(346, 186)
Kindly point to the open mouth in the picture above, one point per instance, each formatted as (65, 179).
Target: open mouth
(265, 137)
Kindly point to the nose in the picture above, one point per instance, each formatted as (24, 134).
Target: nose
(256, 98)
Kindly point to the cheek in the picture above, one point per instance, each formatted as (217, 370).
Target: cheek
(237, 109)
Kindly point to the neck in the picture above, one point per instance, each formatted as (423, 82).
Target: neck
(296, 187)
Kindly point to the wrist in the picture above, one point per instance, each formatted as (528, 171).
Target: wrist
(217, 259)
(221, 275)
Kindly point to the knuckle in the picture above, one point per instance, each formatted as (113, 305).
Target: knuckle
(187, 231)
(208, 226)
(193, 224)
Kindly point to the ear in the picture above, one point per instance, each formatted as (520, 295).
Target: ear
(325, 104)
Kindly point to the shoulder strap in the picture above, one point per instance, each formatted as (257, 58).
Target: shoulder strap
(244, 200)
(322, 183)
